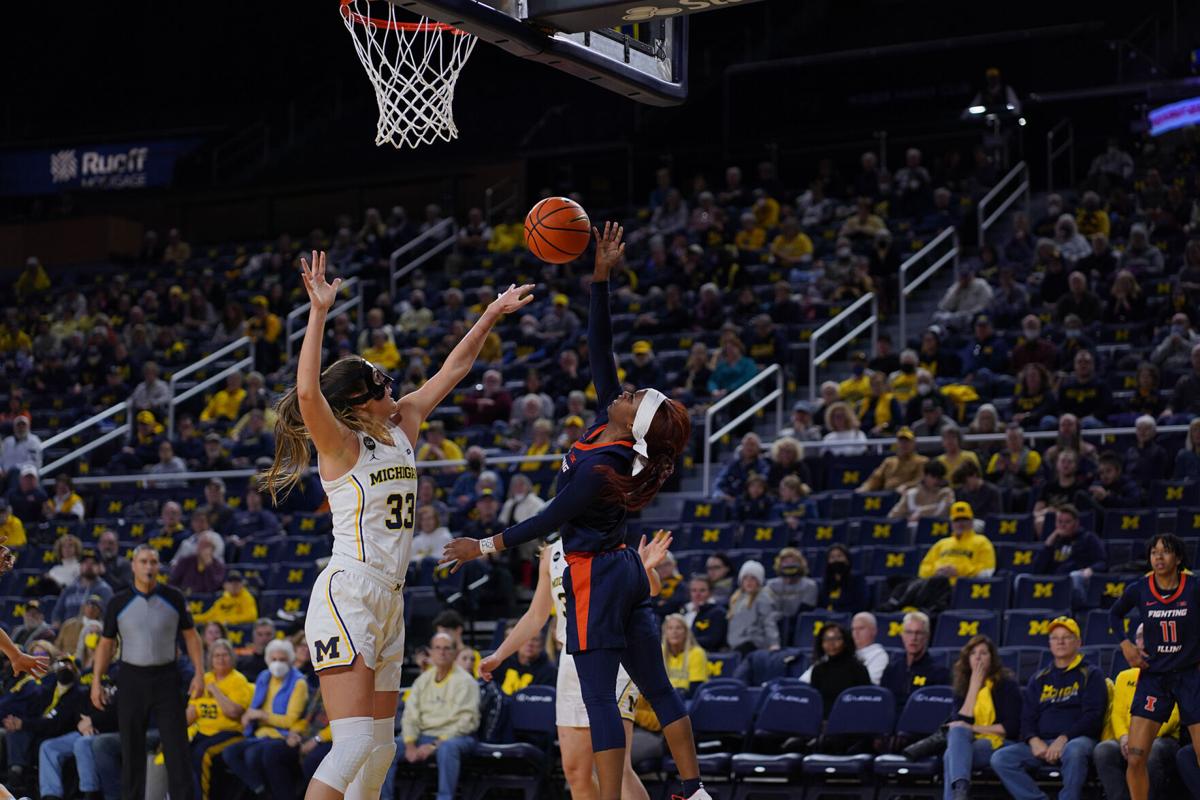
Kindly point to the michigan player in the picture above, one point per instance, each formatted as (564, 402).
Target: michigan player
(574, 740)
(364, 441)
(1168, 600)
(616, 468)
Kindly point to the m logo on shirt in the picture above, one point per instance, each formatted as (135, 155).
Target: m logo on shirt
(1150, 703)
(327, 649)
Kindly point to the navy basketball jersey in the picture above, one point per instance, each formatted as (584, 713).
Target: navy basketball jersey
(1170, 622)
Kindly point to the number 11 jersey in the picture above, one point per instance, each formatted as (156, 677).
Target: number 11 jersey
(374, 505)
(1170, 621)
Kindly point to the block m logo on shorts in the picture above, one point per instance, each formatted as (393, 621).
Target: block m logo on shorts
(327, 649)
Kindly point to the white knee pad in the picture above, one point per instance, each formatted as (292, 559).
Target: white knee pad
(353, 741)
(369, 781)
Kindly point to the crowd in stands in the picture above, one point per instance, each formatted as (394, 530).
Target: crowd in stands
(1078, 320)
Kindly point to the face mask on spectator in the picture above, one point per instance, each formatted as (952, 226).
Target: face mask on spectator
(1178, 330)
(1031, 333)
(924, 388)
(839, 570)
(1072, 333)
(908, 369)
(789, 569)
(279, 668)
(65, 676)
(843, 252)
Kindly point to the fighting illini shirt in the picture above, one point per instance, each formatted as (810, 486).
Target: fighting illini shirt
(374, 505)
(1170, 623)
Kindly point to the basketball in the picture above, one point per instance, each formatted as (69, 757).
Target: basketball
(557, 230)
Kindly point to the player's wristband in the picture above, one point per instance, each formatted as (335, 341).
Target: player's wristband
(487, 546)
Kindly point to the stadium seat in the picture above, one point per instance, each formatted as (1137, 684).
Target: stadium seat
(1187, 523)
(847, 473)
(785, 712)
(1103, 588)
(868, 711)
(984, 594)
(1042, 591)
(289, 602)
(723, 665)
(292, 576)
(724, 713)
(894, 561)
(768, 535)
(871, 504)
(1024, 628)
(889, 629)
(882, 532)
(240, 635)
(955, 628)
(302, 548)
(810, 623)
(1126, 523)
(711, 537)
(1015, 558)
(704, 511)
(310, 524)
(1023, 661)
(824, 532)
(522, 765)
(1174, 494)
(760, 667)
(927, 709)
(930, 530)
(1008, 528)
(259, 552)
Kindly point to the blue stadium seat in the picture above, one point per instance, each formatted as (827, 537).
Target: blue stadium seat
(711, 537)
(520, 765)
(1104, 588)
(258, 552)
(1126, 523)
(240, 635)
(1187, 523)
(1174, 494)
(292, 576)
(704, 511)
(846, 473)
(785, 712)
(199, 603)
(1008, 528)
(724, 713)
(301, 548)
(889, 629)
(880, 531)
(955, 628)
(984, 594)
(310, 524)
(810, 623)
(1042, 591)
(872, 504)
(768, 535)
(898, 561)
(1015, 558)
(930, 530)
(824, 532)
(927, 709)
(1023, 628)
(861, 711)
(1023, 661)
(723, 665)
(290, 602)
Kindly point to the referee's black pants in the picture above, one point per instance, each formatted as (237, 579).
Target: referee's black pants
(140, 692)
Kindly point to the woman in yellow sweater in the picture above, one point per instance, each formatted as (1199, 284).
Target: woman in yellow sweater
(687, 663)
(275, 711)
(216, 716)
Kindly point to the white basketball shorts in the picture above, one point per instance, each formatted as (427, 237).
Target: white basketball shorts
(569, 710)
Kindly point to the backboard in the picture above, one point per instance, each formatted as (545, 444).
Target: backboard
(641, 55)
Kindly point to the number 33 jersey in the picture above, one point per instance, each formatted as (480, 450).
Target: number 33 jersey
(374, 505)
(1170, 621)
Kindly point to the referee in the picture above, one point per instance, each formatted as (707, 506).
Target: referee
(149, 617)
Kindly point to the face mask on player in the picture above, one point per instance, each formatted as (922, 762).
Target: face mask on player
(377, 381)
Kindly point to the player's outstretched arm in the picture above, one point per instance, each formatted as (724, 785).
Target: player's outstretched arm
(416, 406)
(528, 625)
(336, 444)
(609, 252)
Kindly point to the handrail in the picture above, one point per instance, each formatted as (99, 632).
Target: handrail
(402, 250)
(84, 449)
(289, 336)
(987, 220)
(817, 359)
(1052, 152)
(908, 287)
(111, 411)
(490, 206)
(446, 243)
(775, 395)
(245, 363)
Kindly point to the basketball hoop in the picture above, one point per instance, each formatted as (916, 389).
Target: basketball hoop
(413, 67)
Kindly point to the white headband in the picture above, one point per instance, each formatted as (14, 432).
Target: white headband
(651, 400)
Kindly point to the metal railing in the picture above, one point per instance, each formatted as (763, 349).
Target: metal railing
(1067, 146)
(243, 364)
(947, 236)
(446, 230)
(1019, 177)
(494, 204)
(62, 436)
(817, 358)
(775, 395)
(353, 285)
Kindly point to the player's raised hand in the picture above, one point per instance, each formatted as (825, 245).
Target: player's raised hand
(609, 249)
(655, 551)
(460, 551)
(37, 666)
(320, 292)
(512, 299)
(488, 666)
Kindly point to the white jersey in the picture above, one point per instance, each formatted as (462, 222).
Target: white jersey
(558, 568)
(374, 505)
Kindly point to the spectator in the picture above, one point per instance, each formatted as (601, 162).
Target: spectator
(202, 572)
(217, 714)
(749, 459)
(931, 497)
(42, 732)
(1091, 218)
(21, 448)
(66, 552)
(436, 447)
(1061, 489)
(1083, 394)
(753, 614)
(1032, 347)
(1185, 399)
(912, 184)
(835, 667)
(983, 497)
(962, 554)
(276, 711)
(1140, 256)
(213, 458)
(254, 441)
(802, 428)
(1062, 717)
(223, 406)
(719, 570)
(177, 251)
(828, 395)
(488, 402)
(1019, 248)
(463, 491)
(988, 699)
(885, 359)
(149, 617)
(864, 223)
(755, 504)
(1071, 551)
(791, 588)
(255, 661)
(787, 458)
(765, 344)
(1110, 753)
(235, 606)
(1113, 166)
(65, 503)
(1173, 353)
(440, 715)
(89, 583)
(864, 628)
(704, 618)
(872, 182)
(841, 589)
(528, 666)
(168, 463)
(687, 663)
(152, 394)
(986, 358)
(253, 519)
(879, 409)
(986, 423)
(900, 472)
(1126, 303)
(1071, 243)
(1069, 438)
(1033, 400)
(431, 535)
(843, 428)
(1146, 461)
(733, 368)
(915, 667)
(200, 529)
(72, 630)
(1101, 263)
(33, 626)
(953, 455)
(1079, 300)
(943, 215)
(791, 247)
(28, 498)
(968, 297)
(12, 530)
(933, 421)
(1187, 460)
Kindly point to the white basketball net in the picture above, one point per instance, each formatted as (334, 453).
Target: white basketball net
(413, 67)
